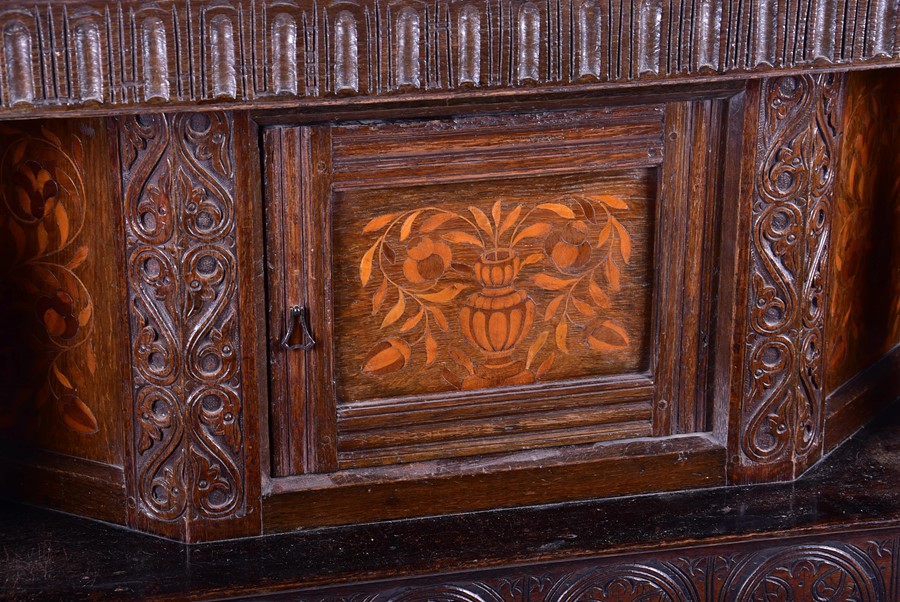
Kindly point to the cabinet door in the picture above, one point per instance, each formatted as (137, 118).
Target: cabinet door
(458, 290)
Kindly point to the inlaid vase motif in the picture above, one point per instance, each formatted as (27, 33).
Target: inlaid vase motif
(422, 262)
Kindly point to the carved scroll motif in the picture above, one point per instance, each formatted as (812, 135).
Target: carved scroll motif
(782, 413)
(180, 229)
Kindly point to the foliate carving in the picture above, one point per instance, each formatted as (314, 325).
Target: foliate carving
(185, 330)
(821, 573)
(783, 400)
(656, 582)
(130, 53)
(843, 571)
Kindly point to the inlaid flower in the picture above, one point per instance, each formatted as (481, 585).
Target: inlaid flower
(426, 260)
(388, 355)
(35, 188)
(57, 313)
(568, 247)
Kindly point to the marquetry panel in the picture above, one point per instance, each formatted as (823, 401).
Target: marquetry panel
(188, 423)
(486, 284)
(779, 423)
(90, 53)
(63, 368)
(864, 289)
(491, 284)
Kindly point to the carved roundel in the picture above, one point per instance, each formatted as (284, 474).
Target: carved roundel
(449, 593)
(809, 574)
(625, 583)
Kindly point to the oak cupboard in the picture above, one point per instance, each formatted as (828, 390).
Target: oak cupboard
(273, 266)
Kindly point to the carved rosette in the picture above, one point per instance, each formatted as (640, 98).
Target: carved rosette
(178, 174)
(782, 404)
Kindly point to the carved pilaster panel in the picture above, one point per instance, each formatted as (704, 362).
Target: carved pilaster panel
(781, 399)
(180, 227)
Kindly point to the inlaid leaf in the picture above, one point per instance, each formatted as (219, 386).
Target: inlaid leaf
(406, 228)
(51, 136)
(558, 209)
(78, 258)
(90, 358)
(397, 311)
(612, 273)
(551, 283)
(511, 219)
(436, 221)
(545, 365)
(462, 359)
(379, 222)
(553, 307)
(77, 150)
(77, 416)
(598, 295)
(19, 151)
(42, 238)
(533, 258)
(495, 213)
(84, 316)
(482, 220)
(609, 336)
(445, 294)
(624, 239)
(63, 380)
(387, 356)
(604, 235)
(439, 318)
(455, 381)
(536, 347)
(62, 223)
(431, 348)
(411, 323)
(462, 237)
(378, 297)
(532, 231)
(584, 307)
(562, 331)
(612, 201)
(365, 266)
(588, 209)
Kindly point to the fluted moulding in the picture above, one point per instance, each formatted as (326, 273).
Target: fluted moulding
(469, 40)
(408, 32)
(284, 54)
(529, 38)
(222, 67)
(19, 73)
(346, 54)
(156, 65)
(89, 62)
(589, 43)
(649, 37)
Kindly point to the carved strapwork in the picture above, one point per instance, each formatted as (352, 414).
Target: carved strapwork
(781, 382)
(189, 428)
